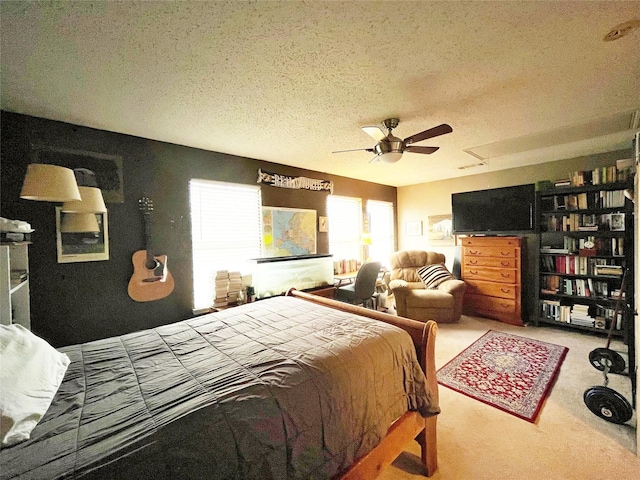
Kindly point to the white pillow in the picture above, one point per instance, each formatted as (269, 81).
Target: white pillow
(31, 372)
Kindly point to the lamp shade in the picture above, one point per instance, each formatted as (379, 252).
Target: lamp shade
(49, 183)
(79, 222)
(91, 202)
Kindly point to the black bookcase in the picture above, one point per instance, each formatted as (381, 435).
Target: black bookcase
(586, 249)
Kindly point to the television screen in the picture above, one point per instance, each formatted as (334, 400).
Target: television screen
(497, 210)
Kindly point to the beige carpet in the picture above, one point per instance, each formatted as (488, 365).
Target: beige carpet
(477, 441)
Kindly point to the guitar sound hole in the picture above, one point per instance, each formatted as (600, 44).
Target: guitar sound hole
(151, 264)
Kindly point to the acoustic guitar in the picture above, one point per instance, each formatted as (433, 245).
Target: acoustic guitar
(151, 279)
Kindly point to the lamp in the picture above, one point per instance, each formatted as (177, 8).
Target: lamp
(79, 222)
(49, 183)
(91, 202)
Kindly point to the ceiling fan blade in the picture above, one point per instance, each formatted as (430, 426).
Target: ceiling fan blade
(432, 132)
(418, 149)
(354, 150)
(374, 131)
(375, 159)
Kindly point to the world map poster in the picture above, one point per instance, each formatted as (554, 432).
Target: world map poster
(288, 231)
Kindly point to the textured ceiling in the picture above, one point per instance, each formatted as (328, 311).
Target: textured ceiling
(289, 82)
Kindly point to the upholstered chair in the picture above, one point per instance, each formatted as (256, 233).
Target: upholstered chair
(413, 299)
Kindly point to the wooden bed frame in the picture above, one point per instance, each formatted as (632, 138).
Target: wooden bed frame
(410, 425)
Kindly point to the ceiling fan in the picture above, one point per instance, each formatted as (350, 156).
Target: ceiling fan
(389, 149)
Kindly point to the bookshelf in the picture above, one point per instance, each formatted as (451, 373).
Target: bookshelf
(586, 245)
(14, 284)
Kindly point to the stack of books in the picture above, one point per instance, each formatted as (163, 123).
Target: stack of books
(608, 270)
(221, 288)
(18, 276)
(235, 285)
(580, 316)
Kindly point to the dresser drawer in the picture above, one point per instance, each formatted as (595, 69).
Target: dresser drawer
(491, 262)
(502, 290)
(492, 241)
(491, 304)
(485, 251)
(500, 275)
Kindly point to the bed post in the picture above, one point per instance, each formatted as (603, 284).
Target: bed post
(428, 439)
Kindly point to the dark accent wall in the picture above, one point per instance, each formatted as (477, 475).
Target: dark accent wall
(78, 302)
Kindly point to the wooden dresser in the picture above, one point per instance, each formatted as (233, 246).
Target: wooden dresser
(491, 268)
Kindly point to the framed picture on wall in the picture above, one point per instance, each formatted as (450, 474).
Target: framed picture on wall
(105, 169)
(323, 224)
(441, 231)
(413, 229)
(81, 237)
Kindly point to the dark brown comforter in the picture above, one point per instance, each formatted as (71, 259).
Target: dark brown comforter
(275, 389)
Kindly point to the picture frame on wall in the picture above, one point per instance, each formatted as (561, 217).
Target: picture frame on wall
(78, 246)
(413, 229)
(323, 224)
(441, 231)
(106, 169)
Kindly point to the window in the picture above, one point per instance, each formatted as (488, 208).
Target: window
(225, 232)
(381, 229)
(345, 227)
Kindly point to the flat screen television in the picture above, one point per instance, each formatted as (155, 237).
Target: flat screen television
(497, 210)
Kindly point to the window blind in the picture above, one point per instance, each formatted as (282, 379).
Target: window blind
(381, 229)
(345, 227)
(226, 228)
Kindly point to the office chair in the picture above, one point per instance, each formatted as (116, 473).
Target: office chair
(361, 291)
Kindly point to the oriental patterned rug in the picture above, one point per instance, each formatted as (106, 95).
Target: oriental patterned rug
(509, 372)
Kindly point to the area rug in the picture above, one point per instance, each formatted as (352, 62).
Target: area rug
(509, 372)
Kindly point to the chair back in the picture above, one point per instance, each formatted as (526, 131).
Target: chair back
(405, 263)
(365, 284)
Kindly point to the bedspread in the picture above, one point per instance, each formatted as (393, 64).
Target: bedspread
(275, 389)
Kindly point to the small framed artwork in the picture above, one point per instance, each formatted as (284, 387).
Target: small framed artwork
(323, 224)
(413, 229)
(82, 237)
(617, 222)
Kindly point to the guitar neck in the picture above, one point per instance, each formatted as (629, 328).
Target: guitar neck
(147, 236)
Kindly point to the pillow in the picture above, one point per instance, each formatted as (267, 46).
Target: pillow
(31, 372)
(434, 275)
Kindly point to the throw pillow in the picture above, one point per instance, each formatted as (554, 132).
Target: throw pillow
(32, 370)
(434, 275)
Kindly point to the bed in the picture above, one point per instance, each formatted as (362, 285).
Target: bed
(298, 386)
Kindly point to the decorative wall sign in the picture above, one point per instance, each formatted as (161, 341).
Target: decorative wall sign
(288, 232)
(82, 246)
(299, 183)
(107, 168)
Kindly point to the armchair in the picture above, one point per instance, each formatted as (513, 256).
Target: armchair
(413, 299)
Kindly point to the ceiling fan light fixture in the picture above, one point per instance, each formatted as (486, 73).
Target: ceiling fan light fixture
(390, 157)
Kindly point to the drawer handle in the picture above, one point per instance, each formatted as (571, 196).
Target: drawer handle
(473, 252)
(504, 254)
(504, 306)
(505, 275)
(473, 272)
(473, 262)
(505, 290)
(505, 264)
